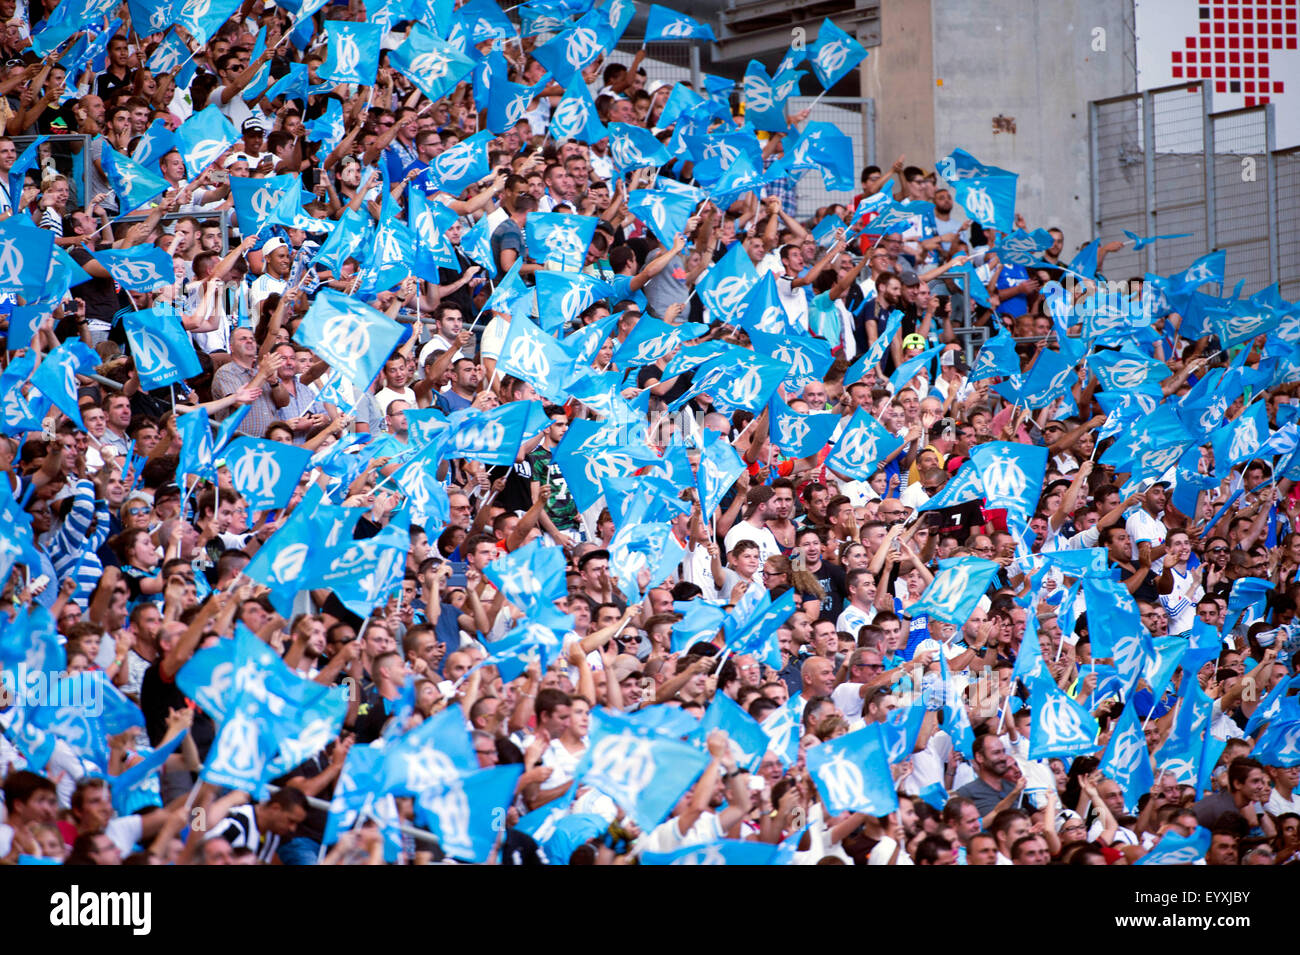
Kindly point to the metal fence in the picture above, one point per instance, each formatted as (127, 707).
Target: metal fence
(853, 116)
(1151, 176)
(69, 153)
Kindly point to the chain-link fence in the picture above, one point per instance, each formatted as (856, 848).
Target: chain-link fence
(856, 118)
(1150, 176)
(1286, 173)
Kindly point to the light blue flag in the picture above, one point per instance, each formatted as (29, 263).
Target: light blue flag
(1279, 744)
(872, 356)
(575, 117)
(644, 776)
(764, 102)
(721, 852)
(140, 268)
(289, 211)
(666, 214)
(909, 369)
(1271, 706)
(353, 337)
(567, 54)
(700, 623)
(563, 296)
(1060, 727)
(1126, 760)
(156, 142)
(1127, 370)
(25, 256)
(465, 813)
(783, 731)
(761, 308)
(747, 740)
(863, 444)
(352, 234)
(1158, 667)
(366, 573)
(664, 24)
(84, 710)
(296, 556)
(133, 184)
(681, 99)
(294, 85)
(241, 754)
(989, 200)
(755, 630)
(429, 221)
(327, 129)
(799, 435)
(203, 137)
(1176, 849)
(1052, 376)
(353, 55)
(539, 637)
(460, 166)
(197, 450)
(644, 547)
(631, 147)
(508, 102)
(530, 576)
(834, 54)
(724, 287)
(650, 340)
(265, 472)
(825, 148)
(393, 259)
(160, 347)
(202, 20)
(436, 752)
(996, 358)
(493, 437)
(1140, 243)
(961, 487)
(256, 198)
(56, 378)
(536, 357)
(1242, 321)
(430, 63)
(1011, 474)
(852, 773)
(1240, 439)
(744, 383)
(956, 589)
(559, 240)
(900, 730)
(719, 468)
(808, 358)
(1021, 247)
(1208, 268)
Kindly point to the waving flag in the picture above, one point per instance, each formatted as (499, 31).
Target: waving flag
(139, 268)
(834, 54)
(465, 812)
(764, 106)
(429, 221)
(1126, 760)
(721, 852)
(1126, 370)
(663, 24)
(350, 335)
(133, 184)
(1060, 727)
(353, 55)
(1051, 377)
(1208, 268)
(1241, 438)
(257, 198)
(1011, 474)
(649, 341)
(990, 200)
(960, 164)
(956, 589)
(1279, 744)
(799, 435)
(631, 147)
(909, 369)
(719, 468)
(724, 287)
(460, 166)
(203, 137)
(665, 213)
(160, 347)
(156, 142)
(533, 356)
(863, 444)
(872, 356)
(493, 437)
(852, 774)
(529, 576)
(265, 472)
(563, 296)
(567, 54)
(746, 382)
(558, 240)
(430, 63)
(808, 358)
(25, 254)
(56, 378)
(1176, 849)
(644, 776)
(196, 445)
(961, 487)
(747, 740)
(575, 117)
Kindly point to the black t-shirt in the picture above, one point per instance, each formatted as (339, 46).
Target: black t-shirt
(517, 494)
(831, 577)
(100, 295)
(157, 697)
(679, 386)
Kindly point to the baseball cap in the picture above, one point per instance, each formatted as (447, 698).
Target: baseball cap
(625, 665)
(234, 158)
(908, 276)
(253, 123)
(273, 244)
(914, 341)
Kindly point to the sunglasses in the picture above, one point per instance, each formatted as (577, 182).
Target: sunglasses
(137, 511)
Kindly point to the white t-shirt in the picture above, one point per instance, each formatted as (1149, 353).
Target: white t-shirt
(851, 619)
(1143, 528)
(847, 698)
(668, 837)
(385, 396)
(561, 762)
(125, 831)
(744, 531)
(1277, 803)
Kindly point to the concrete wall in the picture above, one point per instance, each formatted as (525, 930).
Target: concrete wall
(899, 75)
(1031, 61)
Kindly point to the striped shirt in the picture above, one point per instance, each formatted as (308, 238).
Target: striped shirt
(73, 546)
(239, 828)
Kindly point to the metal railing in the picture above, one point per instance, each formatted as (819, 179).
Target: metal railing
(68, 151)
(1163, 162)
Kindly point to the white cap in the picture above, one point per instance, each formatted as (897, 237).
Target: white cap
(272, 244)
